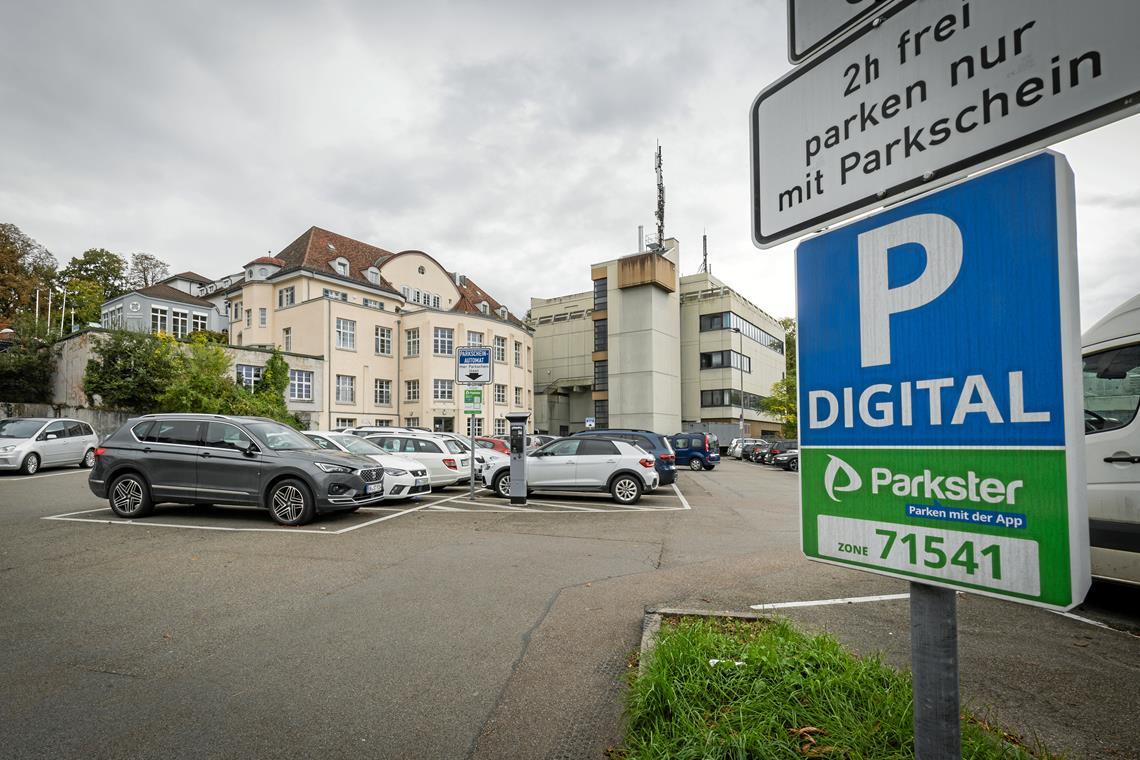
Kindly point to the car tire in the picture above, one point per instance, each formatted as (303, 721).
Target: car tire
(794, 465)
(501, 485)
(290, 502)
(696, 465)
(30, 465)
(88, 460)
(129, 497)
(626, 490)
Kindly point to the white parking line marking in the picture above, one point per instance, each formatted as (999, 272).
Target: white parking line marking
(391, 516)
(824, 602)
(13, 478)
(681, 496)
(149, 524)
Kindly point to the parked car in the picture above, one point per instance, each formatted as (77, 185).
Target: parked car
(698, 451)
(1111, 350)
(447, 462)
(583, 463)
(754, 452)
(219, 459)
(364, 430)
(495, 444)
(789, 460)
(653, 443)
(779, 446)
(736, 448)
(30, 443)
(403, 477)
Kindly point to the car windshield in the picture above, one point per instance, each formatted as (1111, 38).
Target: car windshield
(280, 437)
(356, 445)
(18, 428)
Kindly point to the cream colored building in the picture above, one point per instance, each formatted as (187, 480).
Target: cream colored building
(649, 349)
(388, 325)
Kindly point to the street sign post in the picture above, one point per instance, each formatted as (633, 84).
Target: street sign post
(590, 423)
(813, 24)
(941, 427)
(472, 400)
(929, 92)
(473, 365)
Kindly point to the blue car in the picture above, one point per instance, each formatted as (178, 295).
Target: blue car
(698, 451)
(654, 443)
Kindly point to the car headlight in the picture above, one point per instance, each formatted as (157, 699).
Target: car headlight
(328, 467)
(394, 471)
(6, 449)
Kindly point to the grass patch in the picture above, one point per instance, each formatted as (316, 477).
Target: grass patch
(777, 693)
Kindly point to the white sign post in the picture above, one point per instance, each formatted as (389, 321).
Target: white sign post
(930, 92)
(473, 366)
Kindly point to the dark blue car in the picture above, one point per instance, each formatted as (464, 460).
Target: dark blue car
(654, 443)
(698, 451)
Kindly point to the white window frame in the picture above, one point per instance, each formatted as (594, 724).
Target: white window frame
(286, 297)
(199, 322)
(442, 390)
(262, 317)
(161, 313)
(346, 389)
(412, 422)
(443, 338)
(518, 353)
(412, 341)
(383, 340)
(300, 385)
(474, 338)
(500, 394)
(518, 395)
(346, 334)
(179, 316)
(342, 422)
(476, 422)
(500, 426)
(249, 375)
(411, 390)
(286, 338)
(382, 392)
(501, 349)
(336, 295)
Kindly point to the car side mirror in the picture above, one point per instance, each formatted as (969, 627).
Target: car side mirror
(50, 437)
(246, 447)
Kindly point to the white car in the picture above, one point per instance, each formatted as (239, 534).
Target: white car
(623, 470)
(447, 462)
(403, 477)
(29, 443)
(481, 455)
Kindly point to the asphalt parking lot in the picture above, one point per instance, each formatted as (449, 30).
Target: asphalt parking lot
(452, 628)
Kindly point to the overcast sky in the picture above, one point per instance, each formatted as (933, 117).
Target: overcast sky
(512, 140)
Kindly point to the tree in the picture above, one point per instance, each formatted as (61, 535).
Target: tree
(146, 270)
(202, 381)
(93, 279)
(783, 400)
(25, 266)
(27, 363)
(131, 371)
(268, 396)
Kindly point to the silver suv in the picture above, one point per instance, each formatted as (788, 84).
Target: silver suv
(217, 459)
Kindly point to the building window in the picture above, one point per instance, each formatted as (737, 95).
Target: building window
(342, 268)
(287, 338)
(412, 339)
(300, 385)
(730, 397)
(336, 295)
(474, 338)
(346, 334)
(178, 323)
(474, 425)
(412, 422)
(262, 317)
(199, 323)
(444, 341)
(518, 395)
(601, 414)
(286, 297)
(442, 390)
(373, 275)
(249, 317)
(372, 303)
(383, 422)
(345, 389)
(412, 390)
(500, 426)
(518, 354)
(601, 376)
(435, 301)
(601, 335)
(157, 319)
(384, 341)
(727, 320)
(249, 375)
(719, 359)
(345, 422)
(500, 349)
(528, 364)
(500, 394)
(236, 312)
(382, 393)
(601, 294)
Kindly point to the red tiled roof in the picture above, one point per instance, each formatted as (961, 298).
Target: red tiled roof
(268, 260)
(316, 249)
(471, 295)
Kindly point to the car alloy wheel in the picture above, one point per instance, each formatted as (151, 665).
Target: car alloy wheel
(130, 498)
(794, 465)
(290, 503)
(503, 485)
(88, 460)
(696, 465)
(626, 490)
(31, 464)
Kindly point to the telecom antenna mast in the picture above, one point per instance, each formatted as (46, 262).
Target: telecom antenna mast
(705, 255)
(660, 203)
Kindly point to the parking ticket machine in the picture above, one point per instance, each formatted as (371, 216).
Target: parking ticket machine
(518, 456)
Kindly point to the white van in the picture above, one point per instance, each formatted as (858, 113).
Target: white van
(1111, 351)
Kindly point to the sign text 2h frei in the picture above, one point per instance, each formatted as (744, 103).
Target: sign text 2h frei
(939, 390)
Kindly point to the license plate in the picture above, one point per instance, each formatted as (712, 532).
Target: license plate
(421, 481)
(374, 488)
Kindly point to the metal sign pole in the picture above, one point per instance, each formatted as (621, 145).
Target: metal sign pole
(934, 668)
(471, 430)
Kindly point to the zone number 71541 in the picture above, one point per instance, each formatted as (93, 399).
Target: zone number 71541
(936, 554)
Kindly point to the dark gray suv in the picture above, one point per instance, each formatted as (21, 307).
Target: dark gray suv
(217, 459)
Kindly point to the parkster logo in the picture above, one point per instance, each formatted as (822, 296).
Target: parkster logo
(968, 487)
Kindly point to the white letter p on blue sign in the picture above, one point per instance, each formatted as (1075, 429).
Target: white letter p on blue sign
(941, 239)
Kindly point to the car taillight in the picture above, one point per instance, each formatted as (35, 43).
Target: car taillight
(706, 444)
(450, 464)
(100, 451)
(646, 463)
(668, 457)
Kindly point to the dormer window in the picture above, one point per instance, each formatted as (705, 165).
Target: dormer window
(484, 307)
(340, 265)
(373, 275)
(502, 312)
